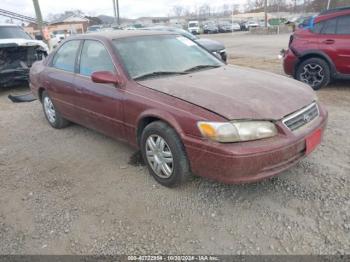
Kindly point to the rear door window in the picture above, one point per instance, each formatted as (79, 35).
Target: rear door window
(329, 27)
(65, 57)
(343, 27)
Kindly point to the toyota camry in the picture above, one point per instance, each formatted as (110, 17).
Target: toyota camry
(187, 111)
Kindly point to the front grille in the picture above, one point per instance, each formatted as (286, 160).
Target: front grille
(301, 117)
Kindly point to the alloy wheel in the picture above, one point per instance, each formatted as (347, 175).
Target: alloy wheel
(313, 74)
(49, 110)
(159, 156)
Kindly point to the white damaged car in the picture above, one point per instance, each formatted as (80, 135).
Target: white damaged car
(18, 51)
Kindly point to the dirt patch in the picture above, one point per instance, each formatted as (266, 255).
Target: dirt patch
(272, 65)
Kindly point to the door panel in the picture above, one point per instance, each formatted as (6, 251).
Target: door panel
(343, 54)
(60, 88)
(335, 44)
(343, 44)
(327, 39)
(60, 76)
(100, 105)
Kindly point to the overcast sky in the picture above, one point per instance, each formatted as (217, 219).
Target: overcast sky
(128, 8)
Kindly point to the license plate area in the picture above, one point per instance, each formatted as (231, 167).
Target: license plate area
(313, 140)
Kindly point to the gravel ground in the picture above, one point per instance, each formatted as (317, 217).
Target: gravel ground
(73, 191)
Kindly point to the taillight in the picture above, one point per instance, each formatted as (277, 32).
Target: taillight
(291, 40)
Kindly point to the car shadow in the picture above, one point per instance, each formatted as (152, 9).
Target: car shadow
(17, 89)
(338, 84)
(136, 159)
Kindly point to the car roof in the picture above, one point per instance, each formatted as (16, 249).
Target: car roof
(332, 13)
(333, 10)
(117, 34)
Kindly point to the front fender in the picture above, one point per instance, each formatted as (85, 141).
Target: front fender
(163, 116)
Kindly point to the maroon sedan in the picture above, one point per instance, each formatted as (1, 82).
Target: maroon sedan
(186, 110)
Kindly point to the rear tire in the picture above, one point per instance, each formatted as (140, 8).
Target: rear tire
(315, 72)
(51, 114)
(164, 154)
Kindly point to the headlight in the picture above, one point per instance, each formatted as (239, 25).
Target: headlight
(237, 131)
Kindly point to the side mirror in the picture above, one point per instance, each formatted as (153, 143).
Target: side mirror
(105, 77)
(217, 55)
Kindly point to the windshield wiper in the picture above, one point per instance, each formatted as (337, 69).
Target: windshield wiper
(159, 73)
(199, 67)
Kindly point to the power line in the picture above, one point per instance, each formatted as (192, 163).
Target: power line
(17, 16)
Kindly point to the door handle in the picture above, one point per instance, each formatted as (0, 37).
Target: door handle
(329, 41)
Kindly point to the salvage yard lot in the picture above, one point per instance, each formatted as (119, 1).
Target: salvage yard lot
(73, 191)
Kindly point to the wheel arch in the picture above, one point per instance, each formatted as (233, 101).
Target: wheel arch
(40, 93)
(151, 116)
(316, 54)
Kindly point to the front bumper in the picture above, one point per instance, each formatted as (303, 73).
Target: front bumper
(13, 77)
(15, 61)
(251, 161)
(194, 31)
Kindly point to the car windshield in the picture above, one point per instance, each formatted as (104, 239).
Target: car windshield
(163, 55)
(7, 32)
(192, 25)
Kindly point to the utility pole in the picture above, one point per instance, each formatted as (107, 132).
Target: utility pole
(328, 4)
(39, 18)
(232, 18)
(265, 11)
(118, 18)
(115, 11)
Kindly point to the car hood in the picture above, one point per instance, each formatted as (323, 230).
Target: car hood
(23, 42)
(211, 45)
(237, 92)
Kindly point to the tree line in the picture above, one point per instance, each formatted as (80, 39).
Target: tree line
(296, 6)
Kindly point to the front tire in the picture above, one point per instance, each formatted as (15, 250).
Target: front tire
(164, 154)
(315, 72)
(52, 115)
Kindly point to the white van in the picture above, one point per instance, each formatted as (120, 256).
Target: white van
(193, 27)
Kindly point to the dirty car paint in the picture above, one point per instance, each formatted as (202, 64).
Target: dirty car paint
(233, 93)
